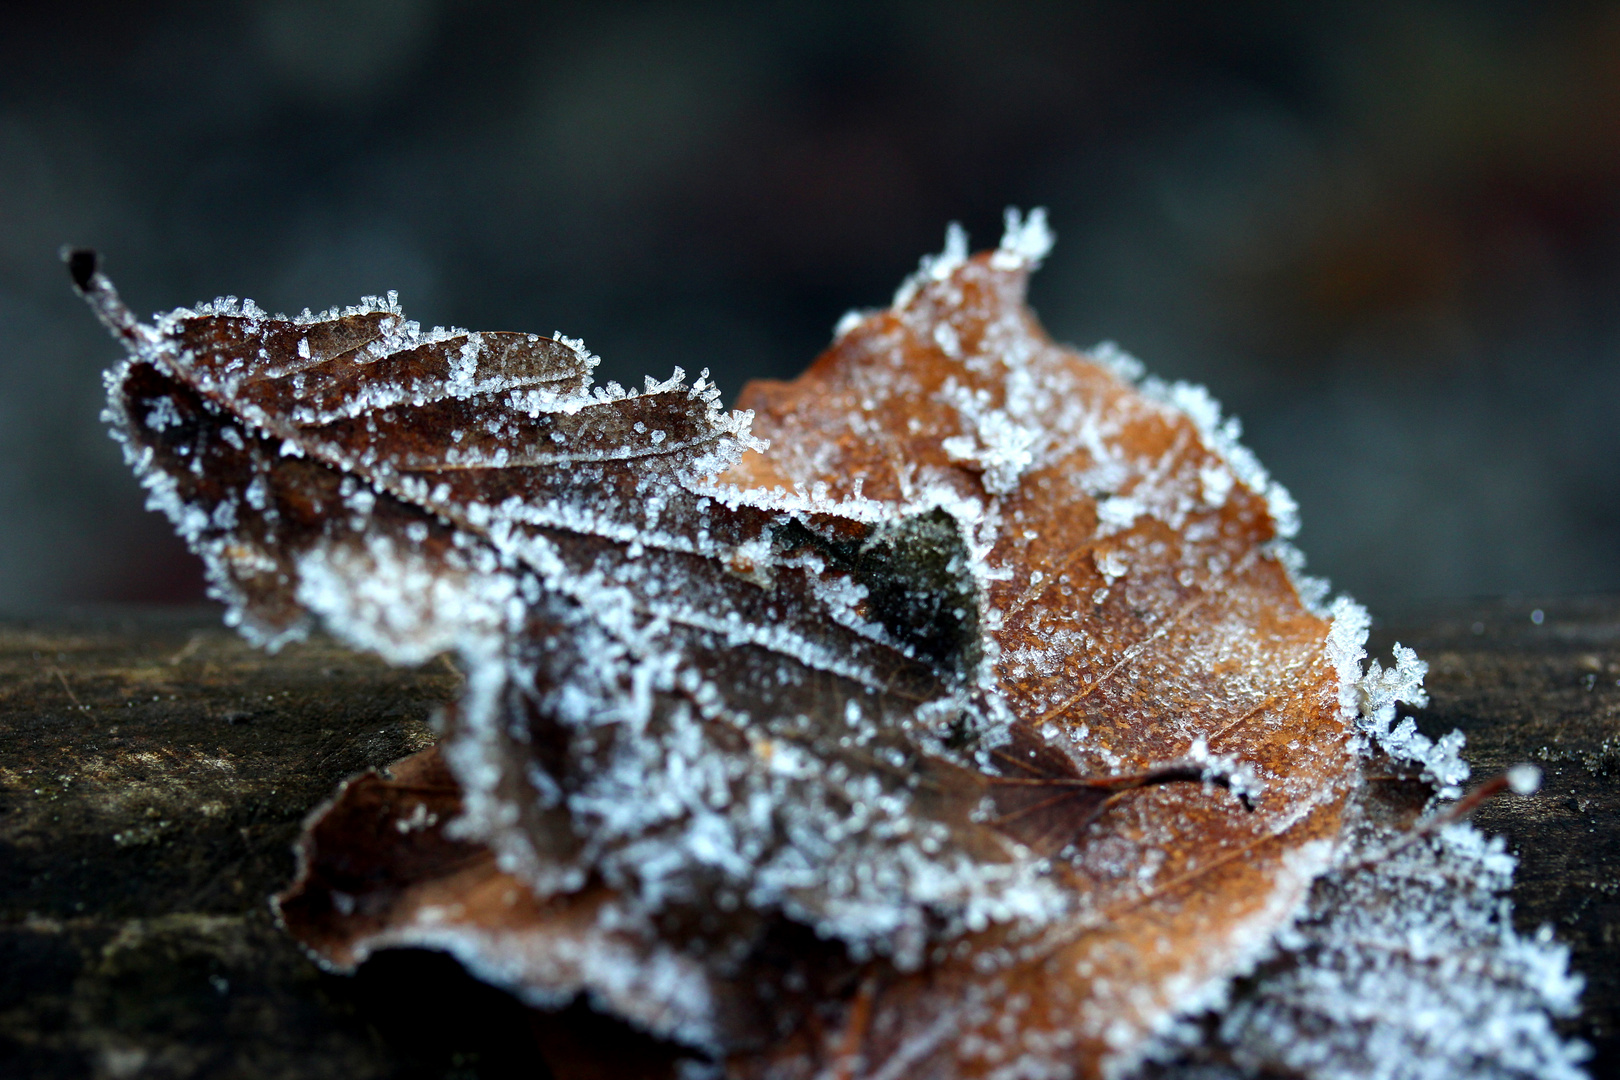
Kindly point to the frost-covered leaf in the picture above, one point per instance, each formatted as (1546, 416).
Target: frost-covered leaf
(958, 714)
(377, 870)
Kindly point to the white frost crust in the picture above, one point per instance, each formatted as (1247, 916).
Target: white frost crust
(1248, 947)
(849, 320)
(933, 268)
(1026, 241)
(1222, 436)
(191, 523)
(1000, 447)
(1126, 368)
(1408, 967)
(357, 594)
(1368, 699)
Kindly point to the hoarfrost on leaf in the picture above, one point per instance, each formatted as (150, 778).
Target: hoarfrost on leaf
(1404, 965)
(957, 709)
(1025, 243)
(1368, 699)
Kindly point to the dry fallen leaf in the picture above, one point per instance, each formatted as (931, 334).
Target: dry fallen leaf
(956, 713)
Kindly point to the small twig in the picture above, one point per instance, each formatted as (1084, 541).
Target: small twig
(62, 678)
(848, 1058)
(1521, 779)
(189, 649)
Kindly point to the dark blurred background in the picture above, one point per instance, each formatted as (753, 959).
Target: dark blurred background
(1385, 234)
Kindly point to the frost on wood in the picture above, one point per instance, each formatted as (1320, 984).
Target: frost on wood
(952, 710)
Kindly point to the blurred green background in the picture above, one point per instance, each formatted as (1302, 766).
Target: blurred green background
(1386, 235)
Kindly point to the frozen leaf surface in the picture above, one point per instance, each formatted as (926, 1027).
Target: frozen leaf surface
(953, 710)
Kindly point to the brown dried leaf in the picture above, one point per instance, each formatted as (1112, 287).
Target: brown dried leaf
(877, 751)
(377, 870)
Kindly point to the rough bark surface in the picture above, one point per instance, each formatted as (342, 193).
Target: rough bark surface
(155, 770)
